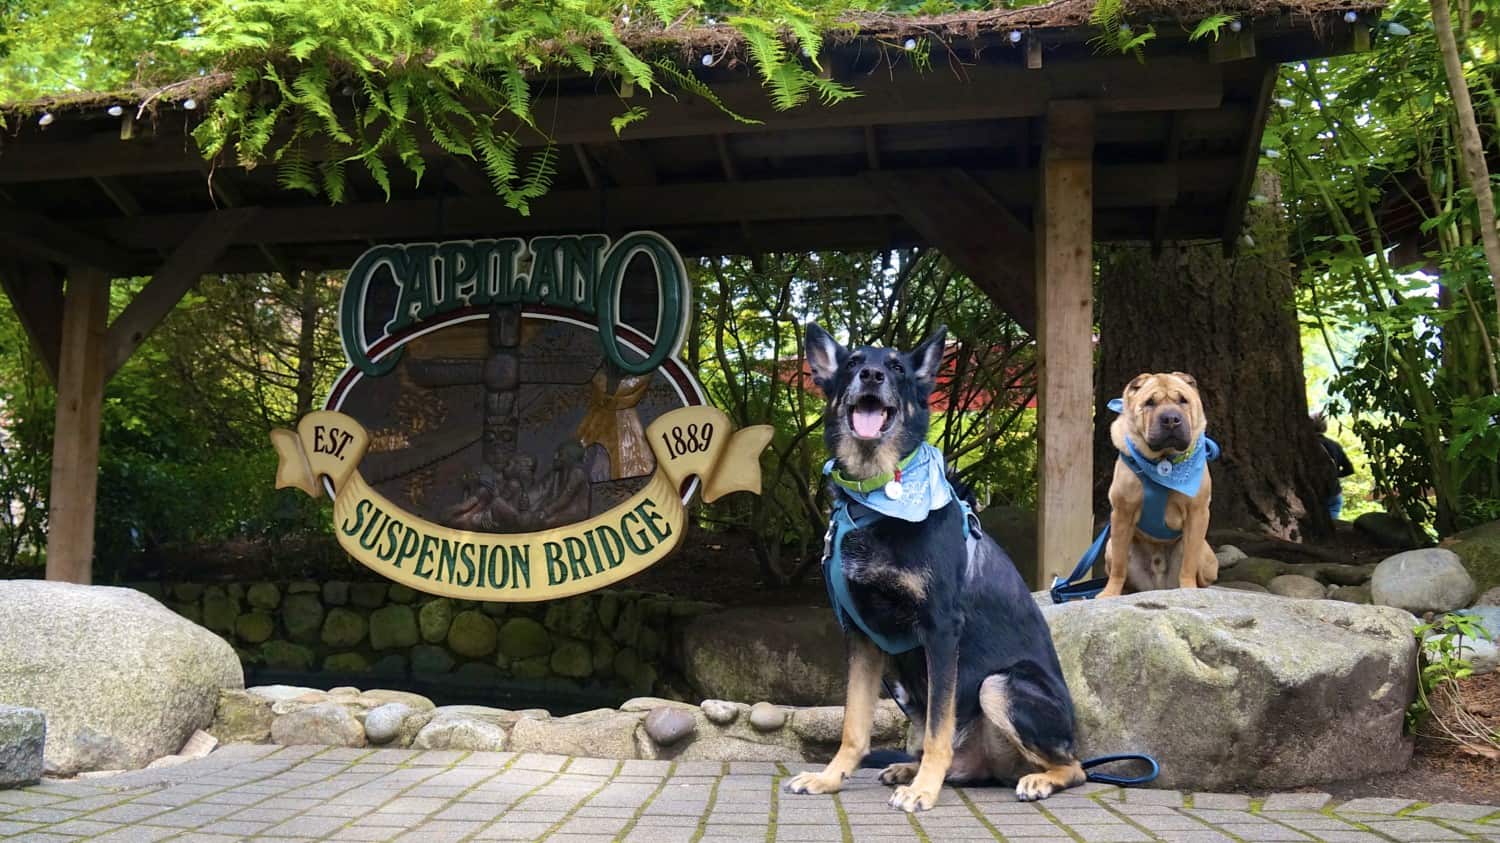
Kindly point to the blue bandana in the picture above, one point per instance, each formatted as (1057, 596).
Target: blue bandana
(1183, 473)
(924, 488)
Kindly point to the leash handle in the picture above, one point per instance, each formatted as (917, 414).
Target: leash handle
(1122, 781)
(1074, 587)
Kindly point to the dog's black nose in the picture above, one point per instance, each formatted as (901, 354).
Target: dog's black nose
(1170, 419)
(868, 375)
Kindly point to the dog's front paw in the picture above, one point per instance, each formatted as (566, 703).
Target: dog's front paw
(1033, 787)
(1111, 591)
(901, 773)
(823, 782)
(911, 798)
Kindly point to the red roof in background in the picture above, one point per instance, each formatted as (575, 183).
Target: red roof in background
(795, 371)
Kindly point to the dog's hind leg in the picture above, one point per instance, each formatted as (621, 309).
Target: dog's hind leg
(1027, 715)
(865, 664)
(937, 739)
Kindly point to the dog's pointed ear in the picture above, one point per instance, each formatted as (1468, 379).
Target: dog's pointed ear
(1186, 378)
(927, 358)
(824, 356)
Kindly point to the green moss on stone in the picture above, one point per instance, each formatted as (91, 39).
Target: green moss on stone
(524, 638)
(435, 617)
(393, 627)
(343, 628)
(254, 627)
(472, 634)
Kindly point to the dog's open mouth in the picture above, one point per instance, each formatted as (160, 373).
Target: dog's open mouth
(870, 417)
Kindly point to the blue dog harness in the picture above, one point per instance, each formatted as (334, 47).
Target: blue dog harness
(1183, 474)
(920, 487)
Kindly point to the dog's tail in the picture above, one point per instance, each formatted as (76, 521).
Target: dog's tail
(882, 758)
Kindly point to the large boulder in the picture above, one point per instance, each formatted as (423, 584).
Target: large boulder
(1387, 530)
(1231, 689)
(1429, 580)
(1014, 528)
(122, 679)
(794, 655)
(1479, 548)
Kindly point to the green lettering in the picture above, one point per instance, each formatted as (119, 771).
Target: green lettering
(492, 563)
(426, 555)
(466, 556)
(614, 549)
(520, 560)
(392, 527)
(577, 557)
(371, 536)
(652, 517)
(460, 275)
(545, 284)
(580, 270)
(557, 572)
(448, 557)
(410, 541)
(359, 512)
(352, 310)
(645, 544)
(673, 293)
(418, 298)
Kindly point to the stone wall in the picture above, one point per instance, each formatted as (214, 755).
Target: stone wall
(619, 640)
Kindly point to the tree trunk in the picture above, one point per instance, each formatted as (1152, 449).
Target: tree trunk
(307, 335)
(1231, 324)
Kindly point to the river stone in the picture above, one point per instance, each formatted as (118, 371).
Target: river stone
(1351, 594)
(572, 659)
(1491, 597)
(532, 668)
(766, 717)
(1284, 693)
(121, 679)
(281, 693)
(1237, 585)
(368, 595)
(415, 701)
(255, 627)
(1296, 586)
(1482, 653)
(1229, 555)
(460, 733)
(573, 617)
(383, 723)
(603, 652)
(302, 615)
(284, 655)
(1432, 579)
(335, 593)
(189, 611)
(393, 627)
(399, 593)
(825, 723)
(472, 634)
(1479, 548)
(303, 587)
(628, 625)
(1257, 570)
(667, 726)
(242, 717)
(434, 618)
(23, 739)
(343, 628)
(721, 712)
(794, 655)
(220, 611)
(608, 609)
(524, 638)
(426, 658)
(346, 663)
(1388, 530)
(602, 733)
(326, 724)
(264, 595)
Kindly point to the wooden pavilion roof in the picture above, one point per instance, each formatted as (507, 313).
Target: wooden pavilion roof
(946, 156)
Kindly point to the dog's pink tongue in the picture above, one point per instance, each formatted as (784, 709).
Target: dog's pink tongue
(867, 423)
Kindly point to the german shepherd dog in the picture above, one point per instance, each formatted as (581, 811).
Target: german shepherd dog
(984, 688)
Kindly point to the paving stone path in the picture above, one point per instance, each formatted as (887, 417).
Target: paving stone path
(317, 793)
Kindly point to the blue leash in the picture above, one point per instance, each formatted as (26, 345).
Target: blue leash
(1122, 781)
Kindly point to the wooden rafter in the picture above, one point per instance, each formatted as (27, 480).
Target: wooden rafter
(35, 289)
(40, 237)
(1249, 159)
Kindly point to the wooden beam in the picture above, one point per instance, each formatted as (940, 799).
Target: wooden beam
(120, 195)
(985, 92)
(972, 229)
(224, 189)
(189, 262)
(1134, 186)
(1249, 160)
(36, 292)
(1232, 46)
(1169, 157)
(1065, 279)
(75, 449)
(40, 237)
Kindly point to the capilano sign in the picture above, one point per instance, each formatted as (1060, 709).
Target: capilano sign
(472, 363)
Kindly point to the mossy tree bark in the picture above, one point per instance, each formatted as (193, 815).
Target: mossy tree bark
(1232, 324)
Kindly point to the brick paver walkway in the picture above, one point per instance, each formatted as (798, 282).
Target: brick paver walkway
(317, 793)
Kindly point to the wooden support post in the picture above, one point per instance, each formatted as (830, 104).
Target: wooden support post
(75, 449)
(1065, 277)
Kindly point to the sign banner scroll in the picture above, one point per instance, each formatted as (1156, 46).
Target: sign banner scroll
(695, 441)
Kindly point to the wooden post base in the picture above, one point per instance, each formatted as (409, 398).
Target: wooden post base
(75, 451)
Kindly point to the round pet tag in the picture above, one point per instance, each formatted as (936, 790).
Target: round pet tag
(893, 490)
(1164, 468)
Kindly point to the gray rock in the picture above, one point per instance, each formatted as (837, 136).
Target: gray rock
(1428, 580)
(416, 701)
(1388, 530)
(324, 724)
(1229, 555)
(280, 693)
(1479, 548)
(23, 738)
(825, 723)
(766, 717)
(367, 595)
(1481, 652)
(399, 593)
(343, 628)
(504, 718)
(792, 655)
(1258, 570)
(1351, 594)
(602, 733)
(721, 712)
(1015, 529)
(121, 679)
(667, 726)
(302, 615)
(435, 617)
(426, 658)
(242, 717)
(1237, 585)
(1489, 598)
(1296, 586)
(1284, 692)
(447, 730)
(383, 723)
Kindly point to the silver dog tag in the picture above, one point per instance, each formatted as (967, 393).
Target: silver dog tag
(893, 490)
(1164, 468)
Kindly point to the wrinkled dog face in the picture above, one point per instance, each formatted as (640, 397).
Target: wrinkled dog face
(1165, 411)
(877, 400)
